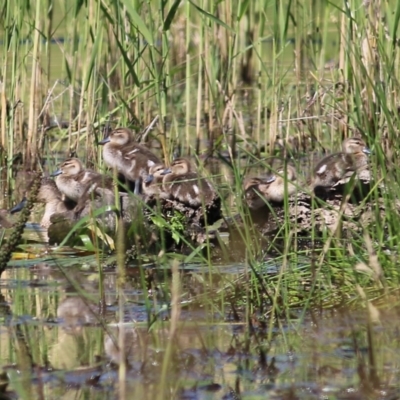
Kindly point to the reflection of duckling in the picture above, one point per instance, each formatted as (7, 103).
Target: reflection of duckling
(131, 342)
(259, 191)
(74, 181)
(333, 168)
(75, 312)
(152, 185)
(186, 186)
(128, 157)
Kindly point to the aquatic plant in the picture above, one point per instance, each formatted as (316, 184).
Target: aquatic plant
(15, 236)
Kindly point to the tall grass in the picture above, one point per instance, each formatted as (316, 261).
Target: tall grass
(241, 77)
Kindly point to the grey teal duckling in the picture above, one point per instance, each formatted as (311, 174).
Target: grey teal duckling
(186, 186)
(79, 184)
(333, 168)
(131, 159)
(52, 198)
(274, 188)
(153, 183)
(55, 205)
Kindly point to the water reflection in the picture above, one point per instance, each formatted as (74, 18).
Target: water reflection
(76, 350)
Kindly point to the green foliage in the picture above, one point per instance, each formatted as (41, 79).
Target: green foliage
(174, 224)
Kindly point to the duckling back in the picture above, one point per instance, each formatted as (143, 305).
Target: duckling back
(133, 160)
(335, 167)
(186, 186)
(281, 184)
(274, 188)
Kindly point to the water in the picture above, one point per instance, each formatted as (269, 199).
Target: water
(51, 313)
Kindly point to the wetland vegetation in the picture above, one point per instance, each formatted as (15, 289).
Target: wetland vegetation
(302, 308)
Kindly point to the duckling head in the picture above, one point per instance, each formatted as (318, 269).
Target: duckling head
(290, 174)
(70, 167)
(355, 145)
(252, 182)
(156, 172)
(180, 166)
(119, 136)
(254, 189)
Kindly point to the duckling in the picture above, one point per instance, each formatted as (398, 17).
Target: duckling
(186, 186)
(55, 205)
(333, 168)
(152, 185)
(259, 191)
(253, 190)
(128, 157)
(277, 188)
(51, 197)
(76, 182)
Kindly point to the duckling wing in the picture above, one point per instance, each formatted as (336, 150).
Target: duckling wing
(191, 189)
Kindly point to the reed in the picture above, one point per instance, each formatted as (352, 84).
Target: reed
(244, 78)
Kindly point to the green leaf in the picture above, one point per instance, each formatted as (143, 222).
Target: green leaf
(94, 54)
(84, 221)
(138, 22)
(244, 5)
(211, 17)
(176, 236)
(171, 15)
(87, 243)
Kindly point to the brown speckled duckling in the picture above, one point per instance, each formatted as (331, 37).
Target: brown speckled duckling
(253, 190)
(51, 197)
(129, 158)
(333, 168)
(153, 184)
(76, 182)
(259, 191)
(186, 186)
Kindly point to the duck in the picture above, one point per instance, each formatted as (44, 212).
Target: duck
(52, 198)
(131, 159)
(57, 206)
(76, 182)
(181, 183)
(334, 167)
(272, 189)
(153, 183)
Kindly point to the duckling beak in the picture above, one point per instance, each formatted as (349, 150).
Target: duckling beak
(366, 150)
(104, 141)
(166, 171)
(56, 173)
(271, 179)
(149, 179)
(19, 206)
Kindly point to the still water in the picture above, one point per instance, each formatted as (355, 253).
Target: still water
(64, 346)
